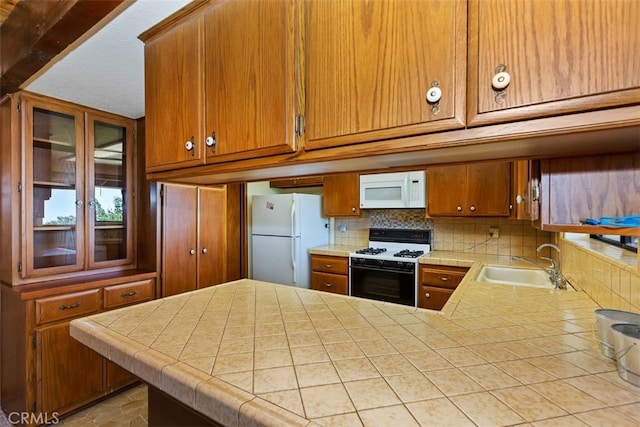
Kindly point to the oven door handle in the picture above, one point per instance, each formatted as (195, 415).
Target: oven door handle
(384, 270)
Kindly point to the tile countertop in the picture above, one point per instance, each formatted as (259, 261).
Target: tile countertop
(254, 353)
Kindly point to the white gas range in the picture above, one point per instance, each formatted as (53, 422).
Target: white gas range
(388, 269)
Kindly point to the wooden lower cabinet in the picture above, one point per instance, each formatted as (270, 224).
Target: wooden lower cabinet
(437, 283)
(68, 373)
(45, 371)
(330, 274)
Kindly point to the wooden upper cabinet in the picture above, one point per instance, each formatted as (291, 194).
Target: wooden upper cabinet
(474, 189)
(576, 188)
(370, 64)
(220, 84)
(561, 56)
(78, 189)
(250, 78)
(341, 195)
(174, 94)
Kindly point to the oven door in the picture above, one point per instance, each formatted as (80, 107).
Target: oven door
(397, 286)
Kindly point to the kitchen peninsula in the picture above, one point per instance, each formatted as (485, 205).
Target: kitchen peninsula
(255, 353)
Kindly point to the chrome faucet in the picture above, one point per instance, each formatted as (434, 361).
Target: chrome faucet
(554, 270)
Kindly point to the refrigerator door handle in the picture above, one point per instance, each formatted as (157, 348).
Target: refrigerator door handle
(293, 214)
(293, 257)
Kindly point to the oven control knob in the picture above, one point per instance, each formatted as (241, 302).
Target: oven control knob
(380, 262)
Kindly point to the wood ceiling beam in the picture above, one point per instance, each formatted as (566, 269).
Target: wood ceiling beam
(38, 30)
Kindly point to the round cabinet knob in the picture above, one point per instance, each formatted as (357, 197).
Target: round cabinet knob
(472, 208)
(189, 145)
(210, 141)
(79, 203)
(434, 94)
(328, 285)
(353, 209)
(519, 199)
(92, 203)
(204, 250)
(501, 80)
(427, 295)
(459, 208)
(444, 279)
(328, 266)
(192, 251)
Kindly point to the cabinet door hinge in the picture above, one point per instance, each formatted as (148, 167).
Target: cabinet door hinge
(19, 187)
(162, 191)
(19, 105)
(34, 407)
(34, 343)
(300, 123)
(19, 267)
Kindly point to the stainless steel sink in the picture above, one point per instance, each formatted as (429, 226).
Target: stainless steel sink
(515, 276)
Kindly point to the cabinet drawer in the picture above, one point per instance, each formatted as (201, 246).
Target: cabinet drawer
(128, 293)
(330, 264)
(446, 277)
(335, 283)
(67, 306)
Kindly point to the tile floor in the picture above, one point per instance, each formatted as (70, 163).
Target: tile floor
(126, 409)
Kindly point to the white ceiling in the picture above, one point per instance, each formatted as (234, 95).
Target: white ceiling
(107, 70)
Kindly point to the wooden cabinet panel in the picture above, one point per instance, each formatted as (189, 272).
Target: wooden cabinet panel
(433, 298)
(330, 264)
(576, 188)
(576, 56)
(116, 377)
(341, 195)
(221, 78)
(201, 238)
(473, 189)
(129, 293)
(437, 283)
(442, 278)
(330, 274)
(212, 237)
(306, 181)
(67, 306)
(369, 66)
(174, 96)
(489, 188)
(249, 78)
(334, 283)
(179, 241)
(68, 372)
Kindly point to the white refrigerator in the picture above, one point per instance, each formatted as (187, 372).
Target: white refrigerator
(284, 227)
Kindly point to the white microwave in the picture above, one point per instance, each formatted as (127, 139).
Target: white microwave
(396, 190)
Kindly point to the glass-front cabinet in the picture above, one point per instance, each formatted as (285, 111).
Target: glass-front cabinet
(77, 176)
(109, 146)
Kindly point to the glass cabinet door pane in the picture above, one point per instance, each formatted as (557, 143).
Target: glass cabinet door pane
(54, 189)
(109, 192)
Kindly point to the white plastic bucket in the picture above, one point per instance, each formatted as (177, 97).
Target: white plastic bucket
(605, 318)
(627, 341)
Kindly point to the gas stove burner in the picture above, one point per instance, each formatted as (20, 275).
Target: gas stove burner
(406, 253)
(371, 251)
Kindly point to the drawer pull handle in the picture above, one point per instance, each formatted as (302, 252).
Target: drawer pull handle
(129, 294)
(328, 285)
(328, 266)
(444, 279)
(70, 306)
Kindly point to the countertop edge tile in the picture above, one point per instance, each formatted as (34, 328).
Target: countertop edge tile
(220, 401)
(259, 412)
